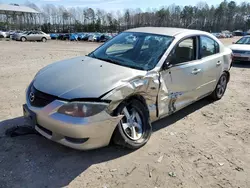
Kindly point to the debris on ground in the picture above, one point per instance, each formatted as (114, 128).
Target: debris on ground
(239, 169)
(172, 174)
(130, 171)
(113, 170)
(149, 172)
(160, 159)
(171, 133)
(221, 164)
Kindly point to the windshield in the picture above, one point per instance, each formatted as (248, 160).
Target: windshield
(244, 40)
(135, 50)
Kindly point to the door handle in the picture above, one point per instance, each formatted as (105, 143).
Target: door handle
(218, 63)
(196, 71)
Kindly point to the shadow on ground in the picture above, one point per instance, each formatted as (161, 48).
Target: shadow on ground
(34, 161)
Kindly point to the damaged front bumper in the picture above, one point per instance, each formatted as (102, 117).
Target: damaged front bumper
(75, 132)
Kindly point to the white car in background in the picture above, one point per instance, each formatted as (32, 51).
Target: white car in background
(241, 49)
(3, 34)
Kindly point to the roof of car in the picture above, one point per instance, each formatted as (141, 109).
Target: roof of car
(170, 31)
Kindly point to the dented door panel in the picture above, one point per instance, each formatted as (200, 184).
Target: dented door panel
(179, 88)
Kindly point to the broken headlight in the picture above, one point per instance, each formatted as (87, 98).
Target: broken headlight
(82, 109)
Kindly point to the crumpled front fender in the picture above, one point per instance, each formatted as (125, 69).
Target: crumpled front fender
(146, 86)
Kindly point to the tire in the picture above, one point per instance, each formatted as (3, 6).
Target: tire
(220, 88)
(136, 135)
(44, 39)
(23, 39)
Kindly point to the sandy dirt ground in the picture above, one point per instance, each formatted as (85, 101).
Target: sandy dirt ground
(204, 145)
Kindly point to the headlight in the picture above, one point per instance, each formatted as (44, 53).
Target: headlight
(82, 109)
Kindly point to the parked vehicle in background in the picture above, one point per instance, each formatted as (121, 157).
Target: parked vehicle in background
(54, 36)
(85, 37)
(73, 37)
(3, 34)
(33, 36)
(114, 93)
(80, 36)
(223, 35)
(91, 38)
(16, 34)
(241, 49)
(60, 36)
(66, 36)
(96, 37)
(105, 37)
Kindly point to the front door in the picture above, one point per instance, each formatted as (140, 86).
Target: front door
(179, 83)
(30, 36)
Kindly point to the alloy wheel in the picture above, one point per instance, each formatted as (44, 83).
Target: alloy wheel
(132, 124)
(221, 87)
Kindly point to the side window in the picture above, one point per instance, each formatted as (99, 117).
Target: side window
(208, 46)
(185, 51)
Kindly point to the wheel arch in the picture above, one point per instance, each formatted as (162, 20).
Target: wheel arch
(137, 97)
(228, 75)
(23, 37)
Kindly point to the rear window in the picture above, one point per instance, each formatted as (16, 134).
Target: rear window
(208, 46)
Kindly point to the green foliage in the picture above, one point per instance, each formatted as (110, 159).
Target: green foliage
(225, 16)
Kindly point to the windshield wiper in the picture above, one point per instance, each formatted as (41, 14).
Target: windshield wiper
(111, 60)
(104, 59)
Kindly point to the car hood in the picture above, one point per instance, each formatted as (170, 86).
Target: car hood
(82, 77)
(245, 47)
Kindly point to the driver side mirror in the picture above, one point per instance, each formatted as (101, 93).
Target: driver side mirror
(169, 61)
(167, 65)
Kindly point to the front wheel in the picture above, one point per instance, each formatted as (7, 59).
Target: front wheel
(134, 130)
(23, 39)
(220, 87)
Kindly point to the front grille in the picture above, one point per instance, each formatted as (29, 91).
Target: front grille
(240, 58)
(239, 51)
(39, 99)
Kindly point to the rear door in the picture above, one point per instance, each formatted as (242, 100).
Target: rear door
(37, 35)
(212, 59)
(179, 83)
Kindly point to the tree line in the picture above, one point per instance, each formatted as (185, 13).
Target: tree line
(225, 16)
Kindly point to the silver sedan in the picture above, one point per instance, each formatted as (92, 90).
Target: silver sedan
(32, 36)
(114, 93)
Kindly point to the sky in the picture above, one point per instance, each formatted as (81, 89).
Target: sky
(116, 4)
